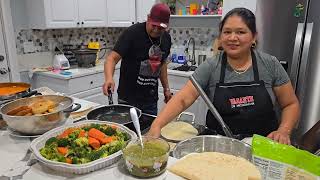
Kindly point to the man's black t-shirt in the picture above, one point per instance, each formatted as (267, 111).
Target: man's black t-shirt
(140, 70)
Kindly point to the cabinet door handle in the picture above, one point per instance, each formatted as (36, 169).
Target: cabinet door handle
(132, 22)
(91, 82)
(82, 22)
(78, 23)
(1, 58)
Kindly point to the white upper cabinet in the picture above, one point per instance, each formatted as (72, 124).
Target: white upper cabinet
(121, 13)
(143, 9)
(93, 13)
(59, 13)
(44, 14)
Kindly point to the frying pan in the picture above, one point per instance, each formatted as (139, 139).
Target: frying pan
(118, 113)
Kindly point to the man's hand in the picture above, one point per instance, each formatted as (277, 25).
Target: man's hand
(167, 95)
(280, 136)
(108, 84)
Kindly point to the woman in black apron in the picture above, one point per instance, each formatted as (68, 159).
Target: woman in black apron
(236, 82)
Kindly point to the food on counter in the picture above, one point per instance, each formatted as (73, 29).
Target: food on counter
(80, 145)
(39, 107)
(9, 90)
(178, 131)
(151, 160)
(214, 165)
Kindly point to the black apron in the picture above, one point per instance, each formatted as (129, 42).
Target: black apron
(246, 107)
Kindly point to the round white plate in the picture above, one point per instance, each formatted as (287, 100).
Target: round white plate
(20, 135)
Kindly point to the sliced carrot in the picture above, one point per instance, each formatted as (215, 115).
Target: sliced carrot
(68, 160)
(95, 133)
(82, 134)
(107, 140)
(94, 142)
(114, 126)
(66, 133)
(62, 150)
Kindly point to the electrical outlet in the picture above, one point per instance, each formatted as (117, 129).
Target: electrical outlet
(28, 47)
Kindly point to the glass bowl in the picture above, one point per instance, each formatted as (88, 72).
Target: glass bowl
(149, 161)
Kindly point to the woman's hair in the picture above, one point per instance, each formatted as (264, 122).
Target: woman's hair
(246, 15)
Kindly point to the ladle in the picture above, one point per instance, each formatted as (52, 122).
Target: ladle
(135, 120)
(211, 107)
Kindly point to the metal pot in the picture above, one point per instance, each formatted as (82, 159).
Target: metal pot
(86, 57)
(211, 143)
(24, 91)
(38, 124)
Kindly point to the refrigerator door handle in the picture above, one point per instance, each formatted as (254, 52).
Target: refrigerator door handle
(295, 57)
(304, 61)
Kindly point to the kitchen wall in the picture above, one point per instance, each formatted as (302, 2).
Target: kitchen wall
(32, 41)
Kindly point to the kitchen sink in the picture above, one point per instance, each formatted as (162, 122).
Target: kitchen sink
(179, 67)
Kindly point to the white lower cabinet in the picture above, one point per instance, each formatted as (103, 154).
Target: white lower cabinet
(87, 87)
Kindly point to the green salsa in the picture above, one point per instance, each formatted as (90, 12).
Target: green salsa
(151, 160)
(150, 149)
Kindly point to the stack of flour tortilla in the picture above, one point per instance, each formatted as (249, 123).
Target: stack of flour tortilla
(214, 166)
(178, 131)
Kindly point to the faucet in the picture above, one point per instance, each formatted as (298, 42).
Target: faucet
(193, 56)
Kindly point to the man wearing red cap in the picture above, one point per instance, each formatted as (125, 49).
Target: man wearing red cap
(143, 49)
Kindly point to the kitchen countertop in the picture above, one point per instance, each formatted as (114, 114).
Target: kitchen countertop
(14, 155)
(79, 72)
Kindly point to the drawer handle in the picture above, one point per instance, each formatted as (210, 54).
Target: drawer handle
(91, 82)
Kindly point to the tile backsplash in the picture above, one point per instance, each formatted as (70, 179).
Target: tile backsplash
(31, 41)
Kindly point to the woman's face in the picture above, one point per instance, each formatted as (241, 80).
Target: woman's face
(236, 37)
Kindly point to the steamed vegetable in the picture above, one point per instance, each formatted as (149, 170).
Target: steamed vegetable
(85, 144)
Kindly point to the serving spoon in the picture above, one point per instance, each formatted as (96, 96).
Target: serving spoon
(135, 120)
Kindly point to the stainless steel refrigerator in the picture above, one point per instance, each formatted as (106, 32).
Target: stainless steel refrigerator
(290, 30)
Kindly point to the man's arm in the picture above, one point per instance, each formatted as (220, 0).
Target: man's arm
(164, 82)
(111, 60)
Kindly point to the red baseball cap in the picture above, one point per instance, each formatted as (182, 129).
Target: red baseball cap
(159, 15)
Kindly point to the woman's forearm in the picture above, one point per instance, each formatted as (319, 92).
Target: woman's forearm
(289, 117)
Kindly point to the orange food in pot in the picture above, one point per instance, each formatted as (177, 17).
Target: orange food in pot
(5, 91)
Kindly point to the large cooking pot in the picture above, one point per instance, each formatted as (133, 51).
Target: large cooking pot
(11, 91)
(38, 124)
(118, 113)
(210, 143)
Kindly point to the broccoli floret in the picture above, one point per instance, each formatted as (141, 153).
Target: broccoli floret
(75, 160)
(116, 146)
(74, 135)
(50, 152)
(81, 151)
(63, 142)
(94, 155)
(51, 140)
(87, 128)
(108, 131)
(123, 135)
(82, 141)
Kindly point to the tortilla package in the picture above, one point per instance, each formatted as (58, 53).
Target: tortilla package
(279, 161)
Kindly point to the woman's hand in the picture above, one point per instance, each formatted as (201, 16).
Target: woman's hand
(280, 136)
(154, 132)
